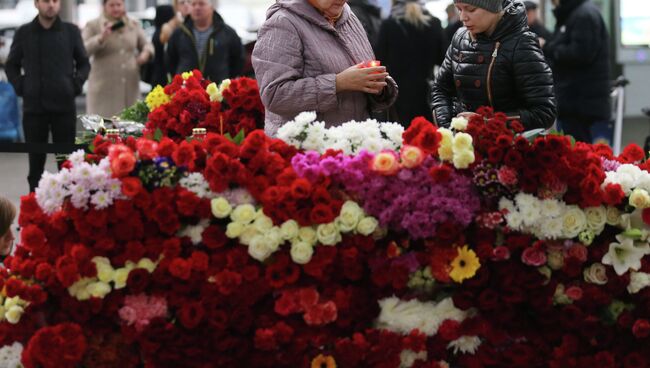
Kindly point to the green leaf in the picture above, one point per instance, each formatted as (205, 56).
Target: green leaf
(158, 135)
(229, 137)
(239, 138)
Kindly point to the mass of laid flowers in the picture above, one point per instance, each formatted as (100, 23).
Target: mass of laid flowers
(366, 245)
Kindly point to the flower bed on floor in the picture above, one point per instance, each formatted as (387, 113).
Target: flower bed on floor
(358, 246)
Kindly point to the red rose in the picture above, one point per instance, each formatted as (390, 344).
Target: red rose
(613, 194)
(180, 268)
(123, 164)
(14, 287)
(166, 147)
(199, 261)
(641, 328)
(191, 314)
(138, 280)
(56, 346)
(184, 155)
(32, 237)
(301, 188)
(131, 186)
(214, 237)
(228, 281)
(449, 330)
(632, 153)
(322, 214)
(66, 271)
(147, 149)
(265, 339)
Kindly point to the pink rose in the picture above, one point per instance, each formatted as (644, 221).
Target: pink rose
(501, 253)
(574, 293)
(533, 256)
(507, 176)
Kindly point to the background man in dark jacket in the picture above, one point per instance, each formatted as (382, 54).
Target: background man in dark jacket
(370, 17)
(579, 57)
(206, 43)
(53, 58)
(534, 24)
(453, 21)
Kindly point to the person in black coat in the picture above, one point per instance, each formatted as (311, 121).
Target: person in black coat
(411, 42)
(370, 17)
(206, 43)
(579, 56)
(157, 69)
(495, 61)
(533, 22)
(453, 22)
(47, 65)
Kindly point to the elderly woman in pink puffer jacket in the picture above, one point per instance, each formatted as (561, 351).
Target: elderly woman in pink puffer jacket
(309, 57)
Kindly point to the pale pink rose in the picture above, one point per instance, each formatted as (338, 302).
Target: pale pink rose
(411, 156)
(385, 163)
(533, 256)
(574, 293)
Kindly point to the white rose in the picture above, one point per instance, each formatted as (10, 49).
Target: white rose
(640, 199)
(263, 223)
(459, 123)
(147, 264)
(445, 151)
(328, 234)
(574, 221)
(307, 234)
(350, 215)
(555, 260)
(14, 313)
(259, 248)
(120, 277)
(289, 229)
(595, 274)
(220, 207)
(462, 142)
(463, 159)
(273, 238)
(301, 252)
(367, 225)
(596, 218)
(247, 235)
(613, 216)
(235, 229)
(244, 213)
(98, 289)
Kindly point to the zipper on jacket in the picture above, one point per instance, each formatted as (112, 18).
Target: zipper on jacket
(489, 73)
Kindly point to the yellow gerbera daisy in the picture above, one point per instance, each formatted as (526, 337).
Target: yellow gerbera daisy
(465, 265)
(323, 361)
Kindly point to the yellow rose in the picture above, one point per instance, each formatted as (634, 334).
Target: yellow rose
(459, 123)
(462, 142)
(225, 84)
(13, 314)
(235, 229)
(350, 215)
(244, 213)
(367, 226)
(10, 302)
(187, 75)
(328, 234)
(301, 252)
(385, 163)
(640, 198)
(463, 159)
(289, 229)
(121, 275)
(307, 234)
(213, 92)
(445, 151)
(104, 269)
(98, 289)
(147, 264)
(220, 207)
(411, 156)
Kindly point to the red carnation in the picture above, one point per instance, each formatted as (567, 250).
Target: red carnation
(641, 328)
(441, 173)
(632, 153)
(180, 268)
(449, 330)
(32, 237)
(166, 147)
(184, 155)
(613, 194)
(228, 281)
(57, 346)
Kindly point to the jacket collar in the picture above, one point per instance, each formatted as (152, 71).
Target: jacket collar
(305, 10)
(217, 22)
(564, 10)
(56, 26)
(514, 22)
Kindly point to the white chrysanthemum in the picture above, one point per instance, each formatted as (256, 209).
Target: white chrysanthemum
(525, 200)
(550, 228)
(515, 220)
(625, 255)
(506, 204)
(10, 355)
(409, 357)
(372, 145)
(101, 200)
(531, 213)
(551, 208)
(465, 344)
(195, 182)
(305, 117)
(77, 157)
(65, 177)
(402, 316)
(195, 232)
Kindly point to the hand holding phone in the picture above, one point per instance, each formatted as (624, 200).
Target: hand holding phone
(117, 25)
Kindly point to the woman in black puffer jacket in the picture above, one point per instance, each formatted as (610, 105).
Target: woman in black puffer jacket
(495, 61)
